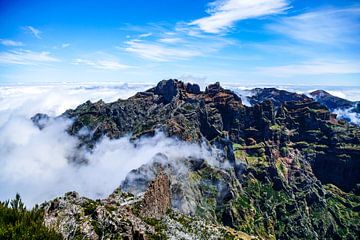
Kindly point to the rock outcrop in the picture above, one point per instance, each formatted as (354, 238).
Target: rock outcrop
(157, 199)
(110, 218)
(125, 216)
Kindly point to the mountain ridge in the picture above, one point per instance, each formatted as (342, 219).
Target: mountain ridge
(294, 150)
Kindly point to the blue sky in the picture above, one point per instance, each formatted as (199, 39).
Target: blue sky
(302, 42)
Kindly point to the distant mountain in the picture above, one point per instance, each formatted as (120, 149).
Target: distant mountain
(286, 169)
(330, 101)
(278, 97)
(337, 105)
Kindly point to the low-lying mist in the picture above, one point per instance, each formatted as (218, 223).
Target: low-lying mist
(35, 163)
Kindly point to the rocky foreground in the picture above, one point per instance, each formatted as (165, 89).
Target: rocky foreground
(288, 169)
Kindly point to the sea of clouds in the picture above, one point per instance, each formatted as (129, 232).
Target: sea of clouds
(35, 163)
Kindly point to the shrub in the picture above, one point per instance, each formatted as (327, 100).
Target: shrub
(18, 223)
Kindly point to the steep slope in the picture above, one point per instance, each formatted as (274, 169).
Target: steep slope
(343, 109)
(278, 97)
(333, 102)
(288, 168)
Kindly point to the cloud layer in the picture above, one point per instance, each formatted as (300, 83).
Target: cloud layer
(37, 163)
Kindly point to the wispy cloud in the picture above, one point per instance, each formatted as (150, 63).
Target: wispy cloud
(34, 31)
(171, 40)
(330, 26)
(314, 67)
(102, 64)
(225, 13)
(160, 52)
(62, 46)
(65, 45)
(11, 43)
(145, 35)
(26, 57)
(179, 42)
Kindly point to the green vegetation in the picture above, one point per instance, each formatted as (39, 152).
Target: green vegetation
(276, 128)
(252, 155)
(160, 228)
(89, 207)
(18, 223)
(344, 208)
(302, 144)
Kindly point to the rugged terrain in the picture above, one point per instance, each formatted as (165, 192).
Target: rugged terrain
(333, 103)
(287, 169)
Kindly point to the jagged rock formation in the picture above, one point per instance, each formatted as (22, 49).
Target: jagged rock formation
(219, 116)
(292, 170)
(157, 199)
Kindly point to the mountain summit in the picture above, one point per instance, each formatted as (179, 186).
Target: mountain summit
(287, 169)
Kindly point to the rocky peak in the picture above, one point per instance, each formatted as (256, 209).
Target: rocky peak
(320, 93)
(332, 102)
(168, 89)
(278, 97)
(193, 88)
(157, 199)
(213, 88)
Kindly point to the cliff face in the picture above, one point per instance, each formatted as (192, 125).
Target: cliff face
(157, 199)
(293, 172)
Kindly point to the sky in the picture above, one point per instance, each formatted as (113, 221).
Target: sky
(300, 42)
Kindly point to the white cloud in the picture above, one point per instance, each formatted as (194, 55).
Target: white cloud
(160, 52)
(171, 40)
(145, 35)
(102, 64)
(62, 46)
(348, 114)
(314, 67)
(55, 99)
(101, 60)
(225, 13)
(178, 44)
(352, 94)
(26, 57)
(323, 26)
(11, 43)
(34, 31)
(65, 45)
